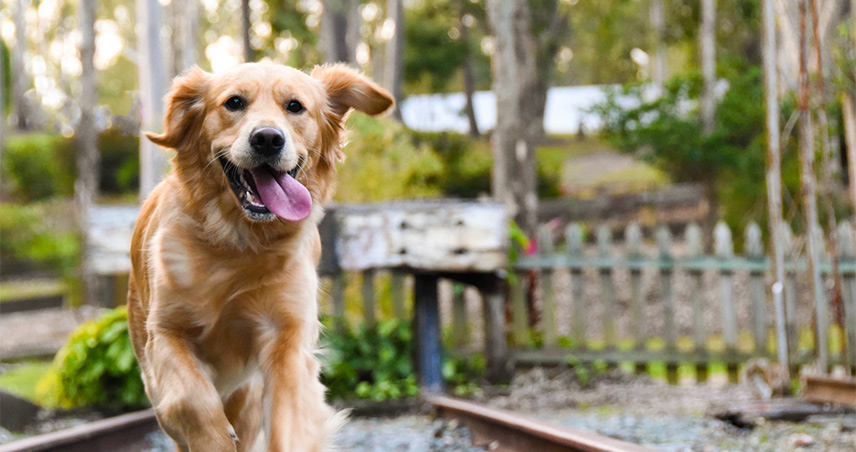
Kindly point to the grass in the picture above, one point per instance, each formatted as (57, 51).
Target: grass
(22, 380)
(22, 290)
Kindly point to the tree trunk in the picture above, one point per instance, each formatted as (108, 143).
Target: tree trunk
(186, 16)
(21, 82)
(774, 179)
(707, 40)
(249, 54)
(515, 85)
(394, 54)
(658, 23)
(809, 192)
(2, 102)
(467, 70)
(88, 159)
(153, 161)
(340, 30)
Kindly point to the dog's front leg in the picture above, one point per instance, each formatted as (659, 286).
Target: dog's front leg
(300, 420)
(185, 400)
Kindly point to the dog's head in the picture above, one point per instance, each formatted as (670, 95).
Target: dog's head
(266, 135)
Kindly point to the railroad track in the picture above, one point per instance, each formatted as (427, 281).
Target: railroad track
(503, 431)
(496, 430)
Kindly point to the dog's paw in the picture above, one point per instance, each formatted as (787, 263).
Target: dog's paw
(232, 434)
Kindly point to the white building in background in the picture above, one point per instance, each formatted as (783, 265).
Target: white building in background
(567, 108)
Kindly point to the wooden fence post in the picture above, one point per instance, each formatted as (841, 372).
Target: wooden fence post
(755, 250)
(724, 249)
(460, 324)
(574, 240)
(633, 239)
(519, 313)
(604, 244)
(695, 248)
(397, 292)
(368, 293)
(848, 254)
(337, 295)
(548, 312)
(791, 327)
(664, 244)
(426, 335)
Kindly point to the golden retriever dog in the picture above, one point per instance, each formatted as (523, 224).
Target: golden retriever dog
(222, 303)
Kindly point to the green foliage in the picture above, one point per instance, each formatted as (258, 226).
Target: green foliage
(383, 163)
(36, 168)
(96, 367)
(432, 56)
(30, 242)
(369, 363)
(22, 379)
(120, 161)
(463, 373)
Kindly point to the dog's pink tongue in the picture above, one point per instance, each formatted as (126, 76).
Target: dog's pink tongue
(282, 194)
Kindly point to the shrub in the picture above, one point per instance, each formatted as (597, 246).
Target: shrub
(29, 242)
(96, 367)
(369, 363)
(35, 167)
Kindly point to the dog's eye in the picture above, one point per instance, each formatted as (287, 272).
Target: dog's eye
(294, 107)
(235, 103)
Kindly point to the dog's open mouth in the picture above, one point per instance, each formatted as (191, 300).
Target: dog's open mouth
(264, 192)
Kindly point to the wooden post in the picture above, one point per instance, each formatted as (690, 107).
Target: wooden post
(574, 240)
(460, 325)
(791, 326)
(499, 365)
(848, 255)
(604, 244)
(695, 248)
(548, 311)
(849, 120)
(725, 250)
(398, 297)
(519, 313)
(633, 239)
(755, 250)
(337, 294)
(426, 335)
(368, 293)
(664, 245)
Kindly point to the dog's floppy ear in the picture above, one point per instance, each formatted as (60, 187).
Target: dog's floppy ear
(185, 103)
(347, 88)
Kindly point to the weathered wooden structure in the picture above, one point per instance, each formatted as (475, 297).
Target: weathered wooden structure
(430, 240)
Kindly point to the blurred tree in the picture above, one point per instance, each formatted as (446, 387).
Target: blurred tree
(25, 109)
(185, 30)
(527, 35)
(707, 41)
(393, 31)
(291, 38)
(340, 30)
(658, 24)
(88, 161)
(152, 89)
(246, 46)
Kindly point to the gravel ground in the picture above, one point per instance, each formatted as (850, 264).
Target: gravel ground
(408, 433)
(664, 417)
(41, 332)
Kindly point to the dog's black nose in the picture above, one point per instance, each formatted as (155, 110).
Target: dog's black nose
(267, 141)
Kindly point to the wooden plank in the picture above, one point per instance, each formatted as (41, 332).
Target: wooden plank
(460, 324)
(442, 235)
(426, 322)
(548, 311)
(499, 364)
(607, 287)
(519, 313)
(574, 240)
(664, 245)
(633, 239)
(368, 293)
(695, 248)
(724, 249)
(838, 391)
(847, 248)
(535, 357)
(755, 250)
(398, 297)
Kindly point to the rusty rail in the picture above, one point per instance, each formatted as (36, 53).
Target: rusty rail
(507, 432)
(122, 433)
(838, 391)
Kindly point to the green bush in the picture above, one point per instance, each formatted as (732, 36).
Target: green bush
(29, 242)
(96, 367)
(369, 363)
(42, 166)
(36, 166)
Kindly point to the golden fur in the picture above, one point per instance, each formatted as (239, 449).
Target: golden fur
(222, 308)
